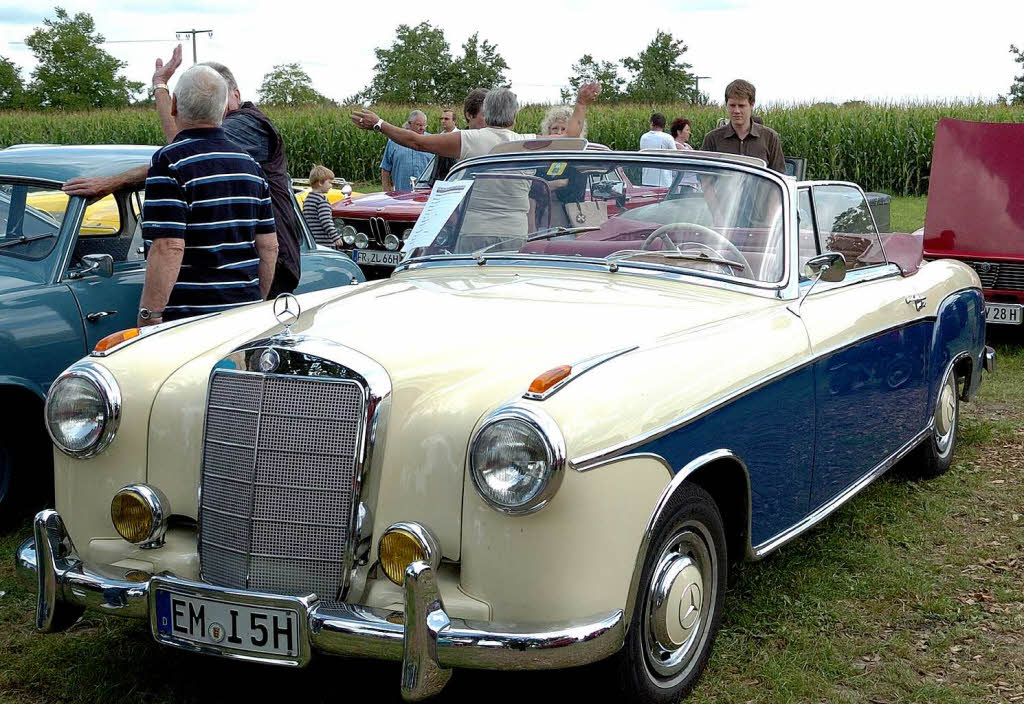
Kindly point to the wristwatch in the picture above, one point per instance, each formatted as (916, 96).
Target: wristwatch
(157, 86)
(376, 127)
(147, 314)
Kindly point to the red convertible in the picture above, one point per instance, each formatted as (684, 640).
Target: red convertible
(976, 209)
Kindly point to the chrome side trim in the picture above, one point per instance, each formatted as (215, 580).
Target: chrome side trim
(584, 462)
(553, 438)
(630, 456)
(377, 391)
(425, 638)
(659, 509)
(857, 276)
(150, 330)
(577, 369)
(100, 377)
(759, 551)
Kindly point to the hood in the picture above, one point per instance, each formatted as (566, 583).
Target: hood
(976, 191)
(389, 204)
(456, 342)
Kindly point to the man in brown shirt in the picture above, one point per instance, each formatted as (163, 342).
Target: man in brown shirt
(742, 135)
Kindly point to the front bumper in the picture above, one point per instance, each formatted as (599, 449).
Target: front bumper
(425, 639)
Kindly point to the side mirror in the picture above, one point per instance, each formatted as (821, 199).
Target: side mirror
(830, 267)
(102, 264)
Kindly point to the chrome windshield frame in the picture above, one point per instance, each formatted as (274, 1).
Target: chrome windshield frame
(785, 289)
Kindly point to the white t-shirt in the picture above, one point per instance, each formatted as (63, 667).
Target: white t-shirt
(482, 141)
(496, 206)
(657, 140)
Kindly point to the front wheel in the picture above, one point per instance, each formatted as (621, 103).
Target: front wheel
(678, 606)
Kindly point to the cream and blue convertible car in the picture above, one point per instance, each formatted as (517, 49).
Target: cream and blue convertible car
(541, 443)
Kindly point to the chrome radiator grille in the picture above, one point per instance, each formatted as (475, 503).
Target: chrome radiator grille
(279, 463)
(1008, 276)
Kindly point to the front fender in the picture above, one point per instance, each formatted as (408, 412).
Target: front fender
(959, 328)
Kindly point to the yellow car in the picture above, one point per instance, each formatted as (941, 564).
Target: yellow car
(101, 218)
(337, 192)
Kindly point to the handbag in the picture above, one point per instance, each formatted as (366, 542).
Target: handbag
(586, 214)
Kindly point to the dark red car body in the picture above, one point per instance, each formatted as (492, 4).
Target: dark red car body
(976, 204)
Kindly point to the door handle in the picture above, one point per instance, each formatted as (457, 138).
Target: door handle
(917, 301)
(96, 317)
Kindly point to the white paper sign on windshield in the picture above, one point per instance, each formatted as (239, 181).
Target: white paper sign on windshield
(444, 199)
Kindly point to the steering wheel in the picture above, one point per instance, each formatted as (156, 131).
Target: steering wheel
(662, 233)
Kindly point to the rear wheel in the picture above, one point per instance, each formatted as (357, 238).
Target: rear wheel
(934, 457)
(678, 607)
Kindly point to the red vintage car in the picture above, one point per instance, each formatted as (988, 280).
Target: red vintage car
(976, 209)
(374, 227)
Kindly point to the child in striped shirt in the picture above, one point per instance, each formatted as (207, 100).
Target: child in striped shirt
(317, 211)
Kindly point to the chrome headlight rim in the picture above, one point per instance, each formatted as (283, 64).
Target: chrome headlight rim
(424, 536)
(362, 240)
(100, 377)
(552, 436)
(159, 509)
(392, 243)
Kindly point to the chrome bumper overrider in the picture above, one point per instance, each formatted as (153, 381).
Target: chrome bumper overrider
(426, 640)
(988, 360)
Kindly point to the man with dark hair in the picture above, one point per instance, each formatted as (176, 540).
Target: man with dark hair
(245, 125)
(473, 109)
(657, 138)
(744, 134)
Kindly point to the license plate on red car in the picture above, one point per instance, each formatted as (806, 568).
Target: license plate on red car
(221, 624)
(1004, 313)
(377, 258)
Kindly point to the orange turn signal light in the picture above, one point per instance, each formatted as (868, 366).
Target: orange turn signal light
(549, 378)
(115, 339)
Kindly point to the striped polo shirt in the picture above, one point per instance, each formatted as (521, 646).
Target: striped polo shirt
(204, 189)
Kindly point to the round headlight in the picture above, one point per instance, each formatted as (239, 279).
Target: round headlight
(83, 409)
(405, 543)
(362, 241)
(516, 459)
(348, 235)
(139, 513)
(391, 243)
(406, 233)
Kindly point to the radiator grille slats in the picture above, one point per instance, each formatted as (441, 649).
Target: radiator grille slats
(1006, 276)
(278, 482)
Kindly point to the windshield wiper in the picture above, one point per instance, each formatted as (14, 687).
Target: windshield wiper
(629, 253)
(547, 234)
(25, 239)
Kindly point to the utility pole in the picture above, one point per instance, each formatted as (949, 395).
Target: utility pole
(193, 33)
(696, 86)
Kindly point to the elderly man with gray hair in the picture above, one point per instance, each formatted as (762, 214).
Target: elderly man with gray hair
(207, 211)
(400, 165)
(500, 111)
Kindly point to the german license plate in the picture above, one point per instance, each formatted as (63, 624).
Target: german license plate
(227, 625)
(1004, 313)
(377, 257)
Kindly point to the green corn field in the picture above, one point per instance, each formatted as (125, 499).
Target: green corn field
(881, 147)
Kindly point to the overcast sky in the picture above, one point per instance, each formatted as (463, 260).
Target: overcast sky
(792, 50)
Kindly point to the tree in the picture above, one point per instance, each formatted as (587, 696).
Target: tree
(419, 68)
(658, 74)
(481, 66)
(289, 84)
(412, 70)
(73, 72)
(587, 70)
(1016, 96)
(12, 88)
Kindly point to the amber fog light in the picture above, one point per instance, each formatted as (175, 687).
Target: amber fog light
(405, 543)
(139, 513)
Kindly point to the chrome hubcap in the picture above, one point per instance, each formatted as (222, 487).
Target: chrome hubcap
(945, 414)
(679, 602)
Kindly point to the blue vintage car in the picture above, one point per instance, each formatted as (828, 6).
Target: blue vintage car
(71, 273)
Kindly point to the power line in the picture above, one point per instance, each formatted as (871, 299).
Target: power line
(122, 41)
(193, 33)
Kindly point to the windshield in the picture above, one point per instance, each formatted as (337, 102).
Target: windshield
(711, 218)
